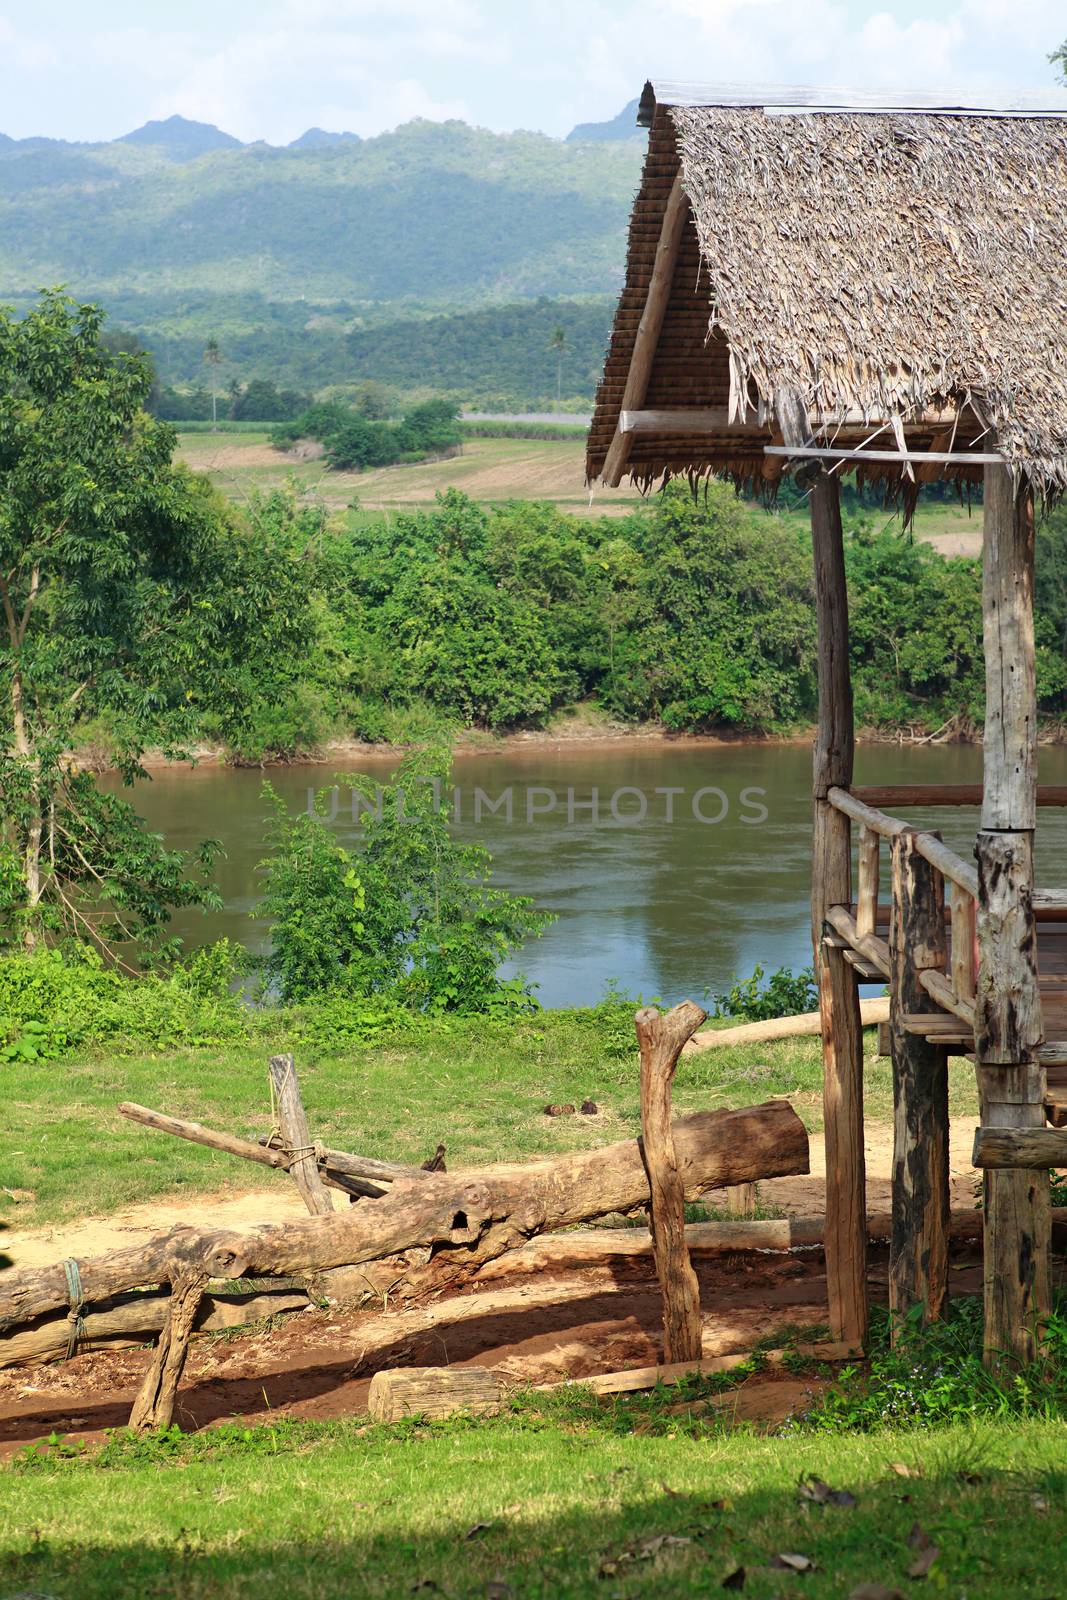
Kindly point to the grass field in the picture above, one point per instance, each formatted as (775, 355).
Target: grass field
(549, 1502)
(563, 1495)
(489, 470)
(479, 1086)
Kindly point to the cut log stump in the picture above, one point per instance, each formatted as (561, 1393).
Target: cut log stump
(434, 1392)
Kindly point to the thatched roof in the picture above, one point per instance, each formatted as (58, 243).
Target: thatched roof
(906, 264)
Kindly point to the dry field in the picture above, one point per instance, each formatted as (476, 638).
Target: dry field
(489, 470)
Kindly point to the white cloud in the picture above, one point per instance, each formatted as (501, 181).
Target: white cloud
(269, 68)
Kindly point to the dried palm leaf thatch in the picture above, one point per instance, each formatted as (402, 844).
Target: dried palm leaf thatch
(881, 265)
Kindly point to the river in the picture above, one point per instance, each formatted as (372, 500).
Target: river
(694, 868)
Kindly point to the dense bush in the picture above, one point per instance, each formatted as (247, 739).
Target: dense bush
(354, 441)
(411, 917)
(58, 999)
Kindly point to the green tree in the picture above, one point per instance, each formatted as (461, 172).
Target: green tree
(558, 345)
(213, 358)
(125, 593)
(412, 913)
(1059, 59)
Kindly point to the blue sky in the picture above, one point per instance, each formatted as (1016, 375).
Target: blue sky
(270, 68)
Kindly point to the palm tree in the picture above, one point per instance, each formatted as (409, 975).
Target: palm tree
(558, 343)
(213, 355)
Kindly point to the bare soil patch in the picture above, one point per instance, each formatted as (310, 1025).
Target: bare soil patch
(534, 1329)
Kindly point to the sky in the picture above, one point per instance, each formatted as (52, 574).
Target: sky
(268, 69)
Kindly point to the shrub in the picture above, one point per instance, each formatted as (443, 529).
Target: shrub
(413, 916)
(784, 994)
(58, 999)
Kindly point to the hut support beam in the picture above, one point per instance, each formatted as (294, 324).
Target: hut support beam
(649, 328)
(918, 1257)
(839, 1006)
(1008, 1026)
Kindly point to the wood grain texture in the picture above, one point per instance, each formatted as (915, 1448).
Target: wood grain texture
(1009, 751)
(296, 1137)
(228, 1143)
(918, 1258)
(464, 1219)
(1036, 1147)
(660, 1039)
(842, 1033)
(154, 1405)
(434, 1392)
(1008, 1019)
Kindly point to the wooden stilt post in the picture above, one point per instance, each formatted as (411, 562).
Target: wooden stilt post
(661, 1039)
(1008, 1028)
(918, 1258)
(842, 1034)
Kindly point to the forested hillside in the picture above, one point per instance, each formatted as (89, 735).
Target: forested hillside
(498, 355)
(431, 212)
(318, 264)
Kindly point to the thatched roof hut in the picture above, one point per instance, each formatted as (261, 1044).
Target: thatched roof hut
(895, 270)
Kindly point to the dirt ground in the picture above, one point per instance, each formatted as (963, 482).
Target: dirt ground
(318, 1363)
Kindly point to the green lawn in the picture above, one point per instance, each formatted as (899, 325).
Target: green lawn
(480, 1087)
(541, 1503)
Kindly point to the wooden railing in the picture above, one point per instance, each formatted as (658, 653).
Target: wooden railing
(953, 989)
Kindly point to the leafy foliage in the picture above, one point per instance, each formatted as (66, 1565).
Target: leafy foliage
(784, 994)
(125, 592)
(935, 1375)
(412, 915)
(353, 441)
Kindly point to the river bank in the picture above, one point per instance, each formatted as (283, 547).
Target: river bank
(577, 732)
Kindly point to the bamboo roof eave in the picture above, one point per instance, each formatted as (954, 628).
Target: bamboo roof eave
(899, 267)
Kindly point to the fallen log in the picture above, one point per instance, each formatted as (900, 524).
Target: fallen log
(805, 1024)
(463, 1220)
(134, 1319)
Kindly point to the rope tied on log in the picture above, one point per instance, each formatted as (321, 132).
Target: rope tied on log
(76, 1297)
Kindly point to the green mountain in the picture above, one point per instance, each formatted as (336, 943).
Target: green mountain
(181, 140)
(298, 259)
(624, 126)
(432, 212)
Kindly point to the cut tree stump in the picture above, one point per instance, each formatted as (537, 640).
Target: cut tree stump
(661, 1039)
(434, 1392)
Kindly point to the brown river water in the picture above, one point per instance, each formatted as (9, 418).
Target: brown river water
(694, 868)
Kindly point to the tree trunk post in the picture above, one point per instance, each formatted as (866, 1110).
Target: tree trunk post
(299, 1147)
(1008, 1024)
(839, 1007)
(154, 1405)
(918, 1258)
(661, 1039)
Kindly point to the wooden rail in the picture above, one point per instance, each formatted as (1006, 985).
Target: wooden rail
(944, 794)
(954, 991)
